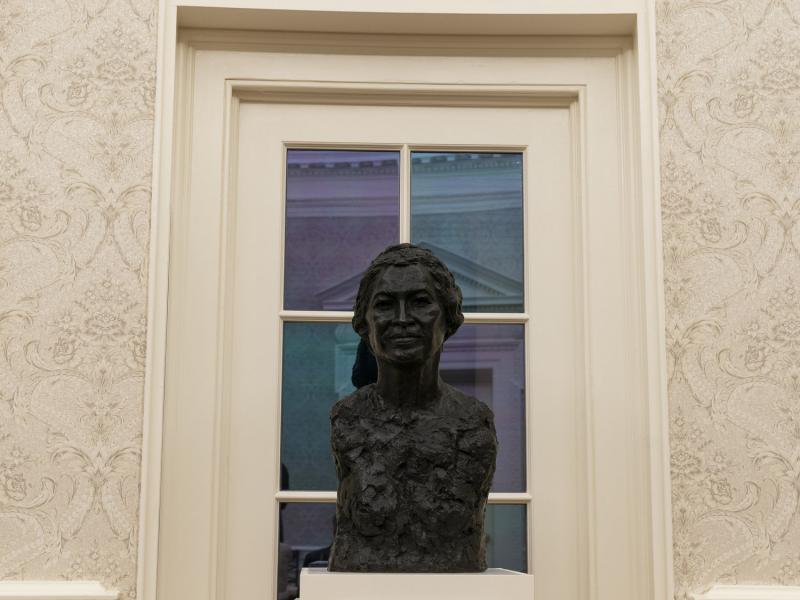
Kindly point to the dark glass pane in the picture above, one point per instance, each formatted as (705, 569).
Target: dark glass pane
(342, 208)
(317, 365)
(484, 360)
(488, 361)
(507, 537)
(467, 208)
(306, 533)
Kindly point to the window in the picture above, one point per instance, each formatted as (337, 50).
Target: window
(343, 206)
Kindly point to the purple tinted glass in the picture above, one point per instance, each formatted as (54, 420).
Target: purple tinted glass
(342, 209)
(488, 361)
(306, 533)
(467, 208)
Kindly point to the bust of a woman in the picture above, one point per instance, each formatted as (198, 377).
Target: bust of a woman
(414, 456)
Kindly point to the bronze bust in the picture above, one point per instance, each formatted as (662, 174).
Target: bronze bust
(414, 456)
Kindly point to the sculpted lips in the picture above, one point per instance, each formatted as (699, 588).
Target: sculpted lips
(404, 339)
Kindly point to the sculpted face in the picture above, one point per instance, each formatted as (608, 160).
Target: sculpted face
(405, 320)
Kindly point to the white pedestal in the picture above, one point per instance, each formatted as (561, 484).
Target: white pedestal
(493, 584)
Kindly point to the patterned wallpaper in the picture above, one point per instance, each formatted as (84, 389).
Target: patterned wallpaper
(729, 87)
(77, 86)
(76, 100)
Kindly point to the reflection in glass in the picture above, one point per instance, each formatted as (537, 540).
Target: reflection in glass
(467, 208)
(484, 360)
(342, 209)
(305, 533)
(317, 365)
(488, 361)
(507, 537)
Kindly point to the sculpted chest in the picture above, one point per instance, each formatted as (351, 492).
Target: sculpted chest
(412, 482)
(408, 446)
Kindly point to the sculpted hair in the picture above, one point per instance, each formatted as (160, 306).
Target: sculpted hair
(400, 255)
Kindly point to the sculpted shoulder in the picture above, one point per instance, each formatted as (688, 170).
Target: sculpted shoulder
(355, 404)
(455, 401)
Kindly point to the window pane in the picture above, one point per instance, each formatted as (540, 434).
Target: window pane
(306, 533)
(507, 537)
(467, 208)
(483, 360)
(488, 361)
(342, 209)
(317, 365)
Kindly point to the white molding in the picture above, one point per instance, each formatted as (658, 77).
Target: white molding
(475, 17)
(654, 346)
(55, 590)
(405, 94)
(750, 592)
(217, 38)
(157, 288)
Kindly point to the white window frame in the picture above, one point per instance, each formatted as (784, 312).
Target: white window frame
(615, 19)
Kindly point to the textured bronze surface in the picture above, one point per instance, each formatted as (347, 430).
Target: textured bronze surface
(414, 456)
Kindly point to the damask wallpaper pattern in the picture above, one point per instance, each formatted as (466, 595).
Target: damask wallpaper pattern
(77, 86)
(729, 86)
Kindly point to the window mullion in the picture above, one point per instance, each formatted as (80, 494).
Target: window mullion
(405, 194)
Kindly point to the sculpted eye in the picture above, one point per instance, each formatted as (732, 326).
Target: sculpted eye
(382, 304)
(422, 301)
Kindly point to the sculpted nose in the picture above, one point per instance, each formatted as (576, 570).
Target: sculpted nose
(402, 314)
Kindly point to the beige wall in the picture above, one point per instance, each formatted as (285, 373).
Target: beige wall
(76, 126)
(77, 83)
(729, 84)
